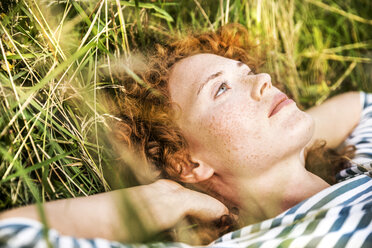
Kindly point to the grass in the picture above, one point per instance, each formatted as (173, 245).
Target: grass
(55, 57)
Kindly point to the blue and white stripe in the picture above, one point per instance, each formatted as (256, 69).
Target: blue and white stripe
(328, 219)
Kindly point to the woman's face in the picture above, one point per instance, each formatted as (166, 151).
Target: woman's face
(234, 120)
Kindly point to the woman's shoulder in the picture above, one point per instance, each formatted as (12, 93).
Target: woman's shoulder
(361, 139)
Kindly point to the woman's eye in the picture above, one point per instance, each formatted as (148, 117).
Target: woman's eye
(223, 87)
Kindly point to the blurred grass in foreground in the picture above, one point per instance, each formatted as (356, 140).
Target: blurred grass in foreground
(53, 54)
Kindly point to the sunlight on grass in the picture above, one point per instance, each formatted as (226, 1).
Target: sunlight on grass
(57, 57)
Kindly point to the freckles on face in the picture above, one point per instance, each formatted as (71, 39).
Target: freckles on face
(235, 130)
(236, 116)
(225, 115)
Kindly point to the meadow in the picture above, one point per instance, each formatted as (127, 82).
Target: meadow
(57, 56)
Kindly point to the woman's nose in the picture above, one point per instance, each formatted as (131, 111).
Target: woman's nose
(261, 83)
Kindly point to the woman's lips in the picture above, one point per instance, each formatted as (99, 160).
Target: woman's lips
(280, 100)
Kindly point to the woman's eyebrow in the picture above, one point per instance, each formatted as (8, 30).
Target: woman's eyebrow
(214, 75)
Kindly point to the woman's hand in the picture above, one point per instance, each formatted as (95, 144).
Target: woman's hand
(110, 215)
(166, 202)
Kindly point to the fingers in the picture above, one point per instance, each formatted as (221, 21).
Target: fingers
(196, 204)
(204, 207)
(173, 202)
(210, 214)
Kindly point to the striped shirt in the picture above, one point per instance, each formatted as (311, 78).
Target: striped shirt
(338, 216)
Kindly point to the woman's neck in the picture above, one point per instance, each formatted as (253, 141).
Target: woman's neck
(267, 195)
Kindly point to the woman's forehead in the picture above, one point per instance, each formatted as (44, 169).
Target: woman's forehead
(202, 61)
(191, 75)
(188, 73)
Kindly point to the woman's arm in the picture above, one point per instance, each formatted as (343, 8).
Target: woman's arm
(159, 206)
(336, 118)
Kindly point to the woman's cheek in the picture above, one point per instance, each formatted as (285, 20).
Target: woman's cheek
(230, 128)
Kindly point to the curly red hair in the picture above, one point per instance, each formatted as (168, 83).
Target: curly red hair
(146, 109)
(147, 125)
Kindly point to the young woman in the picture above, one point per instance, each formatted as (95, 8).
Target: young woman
(204, 116)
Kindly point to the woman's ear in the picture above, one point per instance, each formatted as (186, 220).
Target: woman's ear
(192, 174)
